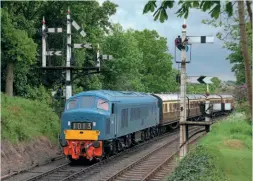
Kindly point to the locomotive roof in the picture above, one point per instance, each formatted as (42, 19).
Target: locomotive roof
(116, 95)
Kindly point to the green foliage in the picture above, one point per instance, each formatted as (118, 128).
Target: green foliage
(38, 93)
(198, 165)
(243, 107)
(16, 45)
(23, 119)
(141, 62)
(231, 38)
(232, 137)
(202, 88)
(123, 73)
(26, 17)
(225, 153)
(214, 8)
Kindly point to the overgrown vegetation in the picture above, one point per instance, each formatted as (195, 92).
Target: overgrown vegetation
(24, 119)
(200, 164)
(224, 154)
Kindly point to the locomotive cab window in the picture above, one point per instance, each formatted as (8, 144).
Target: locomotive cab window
(87, 102)
(103, 104)
(72, 104)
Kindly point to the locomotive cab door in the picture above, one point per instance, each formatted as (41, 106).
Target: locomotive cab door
(114, 118)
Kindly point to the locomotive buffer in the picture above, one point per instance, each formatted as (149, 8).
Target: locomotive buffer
(184, 133)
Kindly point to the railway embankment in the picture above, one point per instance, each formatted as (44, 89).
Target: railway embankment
(225, 153)
(29, 134)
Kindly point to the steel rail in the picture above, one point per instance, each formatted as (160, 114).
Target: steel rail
(33, 167)
(135, 148)
(151, 153)
(166, 161)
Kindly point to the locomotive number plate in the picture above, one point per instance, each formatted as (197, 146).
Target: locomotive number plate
(81, 126)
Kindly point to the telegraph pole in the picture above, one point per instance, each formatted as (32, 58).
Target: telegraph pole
(68, 71)
(183, 149)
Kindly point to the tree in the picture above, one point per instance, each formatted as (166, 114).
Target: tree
(27, 16)
(123, 72)
(17, 48)
(141, 62)
(246, 57)
(158, 75)
(215, 8)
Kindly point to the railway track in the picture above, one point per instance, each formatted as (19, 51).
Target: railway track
(69, 172)
(32, 168)
(147, 167)
(104, 171)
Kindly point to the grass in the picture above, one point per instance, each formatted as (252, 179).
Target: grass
(23, 119)
(224, 154)
(233, 139)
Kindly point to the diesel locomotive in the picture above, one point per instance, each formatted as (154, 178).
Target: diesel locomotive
(99, 123)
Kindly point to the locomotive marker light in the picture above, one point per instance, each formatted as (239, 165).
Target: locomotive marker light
(183, 115)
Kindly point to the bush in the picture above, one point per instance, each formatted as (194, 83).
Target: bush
(198, 165)
(240, 93)
(245, 109)
(24, 119)
(225, 153)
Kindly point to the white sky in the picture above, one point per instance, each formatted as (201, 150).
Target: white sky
(207, 59)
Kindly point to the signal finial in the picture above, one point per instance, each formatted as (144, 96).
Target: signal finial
(43, 20)
(68, 11)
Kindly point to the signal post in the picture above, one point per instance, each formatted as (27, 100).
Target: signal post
(184, 124)
(183, 149)
(68, 68)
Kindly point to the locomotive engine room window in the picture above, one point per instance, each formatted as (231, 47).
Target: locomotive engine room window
(103, 104)
(132, 114)
(124, 118)
(87, 102)
(72, 104)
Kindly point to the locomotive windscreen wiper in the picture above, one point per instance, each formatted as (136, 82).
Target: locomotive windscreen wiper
(103, 102)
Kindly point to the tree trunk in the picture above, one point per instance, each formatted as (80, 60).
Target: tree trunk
(245, 52)
(9, 79)
(248, 3)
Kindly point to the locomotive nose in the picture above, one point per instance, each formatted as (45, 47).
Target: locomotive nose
(81, 115)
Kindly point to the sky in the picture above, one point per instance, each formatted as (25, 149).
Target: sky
(206, 59)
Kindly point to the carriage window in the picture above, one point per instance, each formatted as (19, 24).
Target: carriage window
(103, 104)
(166, 108)
(174, 106)
(87, 102)
(72, 104)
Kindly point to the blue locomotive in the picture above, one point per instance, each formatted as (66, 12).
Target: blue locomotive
(100, 123)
